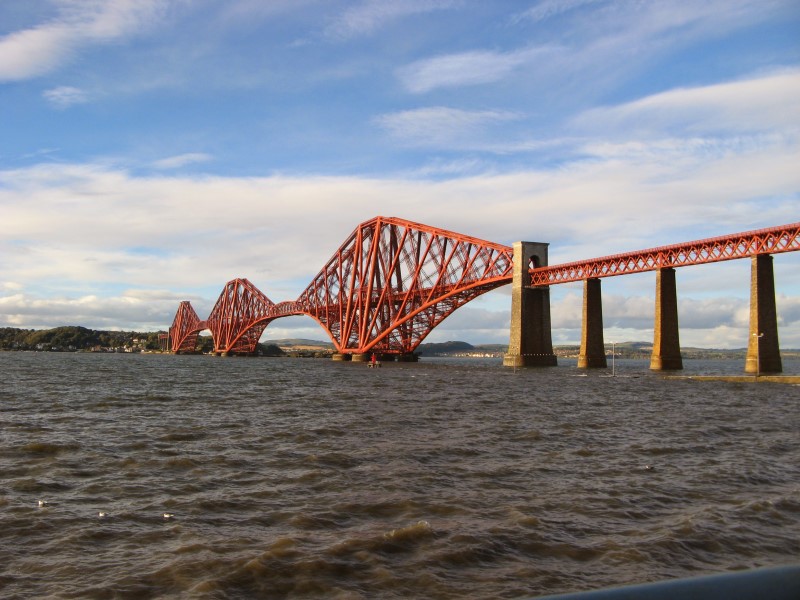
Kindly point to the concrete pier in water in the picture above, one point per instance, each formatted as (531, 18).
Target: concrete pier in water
(666, 339)
(593, 352)
(531, 342)
(763, 350)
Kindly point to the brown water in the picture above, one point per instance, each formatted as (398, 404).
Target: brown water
(442, 479)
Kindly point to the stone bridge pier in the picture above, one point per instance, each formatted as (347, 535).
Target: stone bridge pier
(531, 342)
(763, 350)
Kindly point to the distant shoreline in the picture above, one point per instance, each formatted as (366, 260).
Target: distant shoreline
(82, 339)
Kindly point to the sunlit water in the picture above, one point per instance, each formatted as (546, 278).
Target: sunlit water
(442, 479)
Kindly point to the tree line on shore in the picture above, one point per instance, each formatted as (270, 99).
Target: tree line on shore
(75, 338)
(81, 339)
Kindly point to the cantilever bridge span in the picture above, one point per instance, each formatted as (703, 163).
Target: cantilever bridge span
(392, 281)
(386, 287)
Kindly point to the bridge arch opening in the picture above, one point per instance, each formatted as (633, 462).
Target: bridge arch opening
(298, 334)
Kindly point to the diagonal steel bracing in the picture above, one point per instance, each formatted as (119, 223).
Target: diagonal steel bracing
(783, 238)
(383, 290)
(392, 281)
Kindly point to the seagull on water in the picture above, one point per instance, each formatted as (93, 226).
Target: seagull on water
(102, 514)
(43, 503)
(168, 516)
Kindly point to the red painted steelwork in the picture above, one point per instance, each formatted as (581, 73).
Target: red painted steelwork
(239, 317)
(384, 290)
(184, 329)
(784, 238)
(393, 281)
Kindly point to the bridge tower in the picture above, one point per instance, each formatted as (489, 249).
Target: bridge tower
(531, 342)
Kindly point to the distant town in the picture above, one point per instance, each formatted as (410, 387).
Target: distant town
(81, 339)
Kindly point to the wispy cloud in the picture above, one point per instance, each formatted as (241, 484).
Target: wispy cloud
(766, 102)
(369, 16)
(33, 52)
(606, 42)
(66, 96)
(466, 68)
(440, 125)
(181, 160)
(551, 8)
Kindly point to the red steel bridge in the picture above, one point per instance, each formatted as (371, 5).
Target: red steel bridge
(388, 285)
(392, 281)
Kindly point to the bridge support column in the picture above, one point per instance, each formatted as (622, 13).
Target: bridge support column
(363, 357)
(763, 350)
(666, 341)
(593, 352)
(339, 356)
(531, 341)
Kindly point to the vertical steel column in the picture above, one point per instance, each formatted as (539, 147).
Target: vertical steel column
(593, 352)
(531, 341)
(763, 350)
(666, 340)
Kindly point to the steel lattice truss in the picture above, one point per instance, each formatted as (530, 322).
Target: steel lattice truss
(239, 317)
(784, 238)
(384, 290)
(185, 327)
(393, 281)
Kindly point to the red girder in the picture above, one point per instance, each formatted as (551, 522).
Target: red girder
(385, 289)
(184, 329)
(239, 317)
(784, 238)
(393, 281)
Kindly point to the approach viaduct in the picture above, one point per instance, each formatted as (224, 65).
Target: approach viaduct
(392, 281)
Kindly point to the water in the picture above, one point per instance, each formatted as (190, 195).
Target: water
(442, 479)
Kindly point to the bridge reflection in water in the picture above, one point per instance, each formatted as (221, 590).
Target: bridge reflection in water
(392, 281)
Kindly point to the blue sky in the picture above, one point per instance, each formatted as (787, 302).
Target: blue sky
(152, 150)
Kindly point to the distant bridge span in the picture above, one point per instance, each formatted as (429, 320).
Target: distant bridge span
(392, 281)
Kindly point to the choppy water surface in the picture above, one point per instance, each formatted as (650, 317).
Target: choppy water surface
(442, 479)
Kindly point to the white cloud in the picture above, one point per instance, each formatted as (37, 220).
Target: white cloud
(191, 235)
(766, 102)
(181, 160)
(33, 52)
(147, 310)
(547, 9)
(66, 96)
(64, 241)
(440, 125)
(466, 68)
(10, 286)
(371, 15)
(605, 43)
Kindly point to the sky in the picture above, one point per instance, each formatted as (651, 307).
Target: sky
(152, 150)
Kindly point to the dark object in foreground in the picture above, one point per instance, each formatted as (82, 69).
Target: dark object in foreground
(777, 583)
